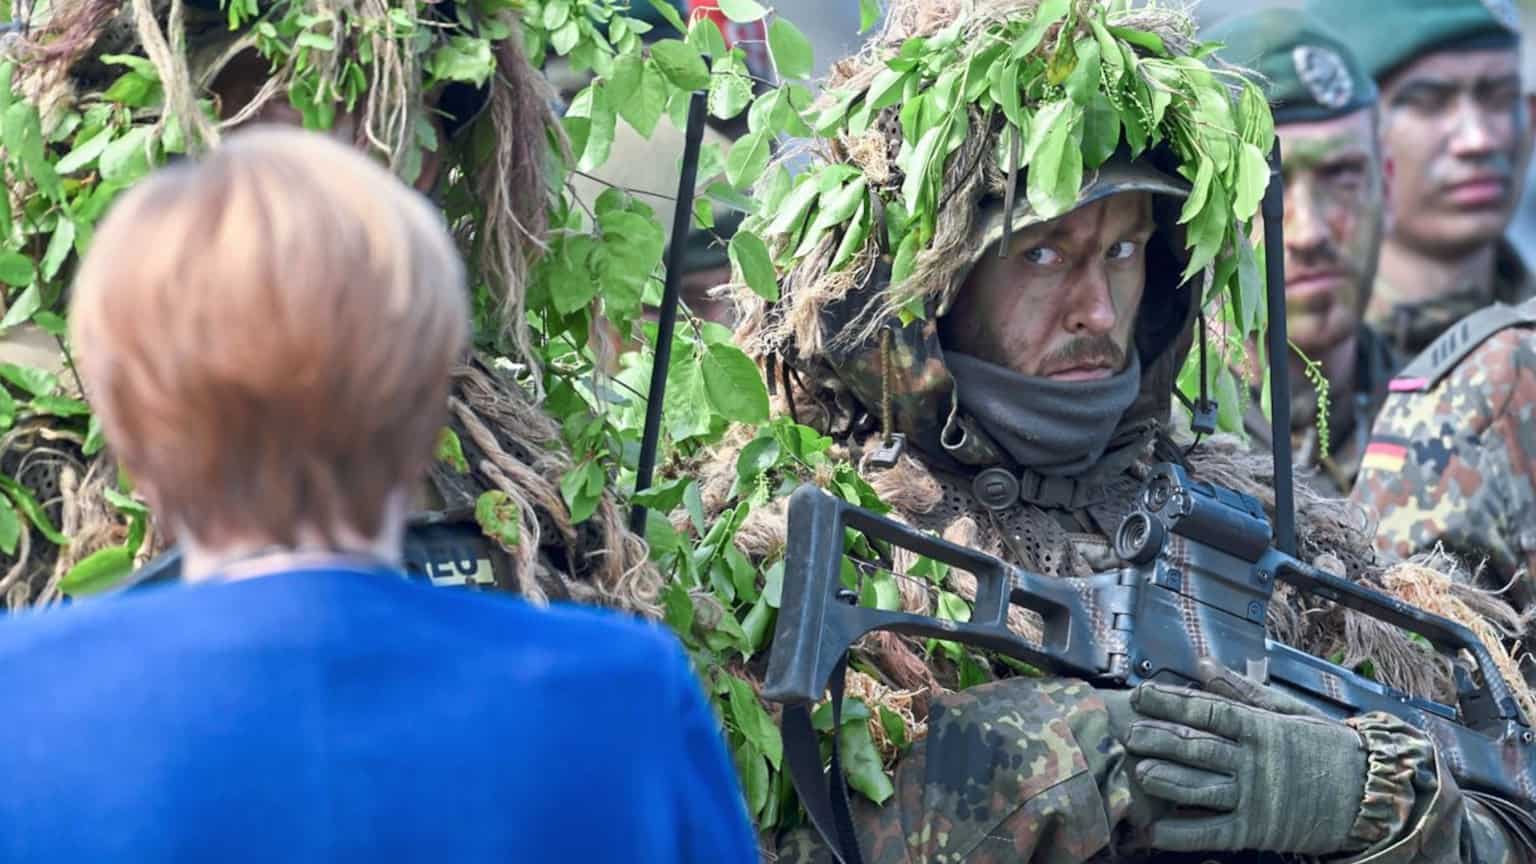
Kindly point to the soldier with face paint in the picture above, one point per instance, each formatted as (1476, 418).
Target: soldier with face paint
(1452, 458)
(1456, 135)
(1019, 415)
(1326, 117)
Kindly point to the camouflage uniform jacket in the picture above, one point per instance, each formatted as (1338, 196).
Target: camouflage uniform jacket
(1333, 475)
(1029, 770)
(1410, 327)
(1452, 461)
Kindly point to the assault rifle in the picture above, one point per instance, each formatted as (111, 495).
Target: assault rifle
(1202, 570)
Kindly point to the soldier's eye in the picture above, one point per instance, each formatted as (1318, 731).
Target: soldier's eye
(1042, 255)
(1121, 251)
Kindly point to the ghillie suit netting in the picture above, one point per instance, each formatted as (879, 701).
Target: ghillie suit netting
(845, 266)
(96, 92)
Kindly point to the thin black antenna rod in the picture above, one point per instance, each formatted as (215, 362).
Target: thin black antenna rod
(1273, 209)
(682, 220)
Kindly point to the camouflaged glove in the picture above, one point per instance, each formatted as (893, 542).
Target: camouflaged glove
(1272, 777)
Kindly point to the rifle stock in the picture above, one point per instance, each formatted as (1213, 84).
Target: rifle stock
(1202, 570)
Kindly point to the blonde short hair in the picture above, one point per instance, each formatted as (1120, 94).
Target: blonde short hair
(267, 335)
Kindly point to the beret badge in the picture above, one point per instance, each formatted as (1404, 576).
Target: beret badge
(1324, 74)
(1504, 12)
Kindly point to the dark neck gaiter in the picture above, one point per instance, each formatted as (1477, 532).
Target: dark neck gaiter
(1055, 428)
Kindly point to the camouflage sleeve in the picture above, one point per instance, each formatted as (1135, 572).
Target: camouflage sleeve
(1021, 770)
(1414, 813)
(1457, 464)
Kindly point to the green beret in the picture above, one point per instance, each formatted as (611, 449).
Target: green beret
(1309, 74)
(1385, 34)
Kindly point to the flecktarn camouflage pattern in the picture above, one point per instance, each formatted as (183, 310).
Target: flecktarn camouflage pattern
(1452, 460)
(870, 245)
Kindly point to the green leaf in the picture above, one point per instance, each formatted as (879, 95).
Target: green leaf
(22, 308)
(10, 528)
(728, 95)
(1049, 12)
(861, 762)
(794, 207)
(886, 88)
(752, 720)
(1007, 95)
(59, 406)
(669, 14)
(1205, 175)
(32, 510)
(463, 58)
(318, 41)
(677, 609)
(51, 322)
(742, 11)
(1056, 169)
(906, 256)
(582, 489)
(125, 160)
(566, 38)
(87, 153)
(1252, 178)
(556, 13)
(450, 451)
(94, 440)
(1083, 83)
(664, 496)
(748, 159)
(1109, 51)
(913, 184)
(1101, 131)
(854, 237)
(756, 781)
(1141, 39)
(124, 503)
(98, 572)
(733, 385)
(37, 382)
(681, 64)
(16, 269)
(704, 35)
(1064, 60)
(643, 106)
(59, 246)
(759, 456)
(895, 727)
(749, 255)
(792, 52)
(869, 14)
(500, 518)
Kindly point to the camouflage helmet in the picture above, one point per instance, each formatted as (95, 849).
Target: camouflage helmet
(860, 295)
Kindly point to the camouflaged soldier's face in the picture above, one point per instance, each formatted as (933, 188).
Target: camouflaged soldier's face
(1333, 221)
(1063, 303)
(1456, 134)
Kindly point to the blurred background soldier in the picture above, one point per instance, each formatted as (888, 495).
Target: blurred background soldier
(1325, 114)
(1457, 137)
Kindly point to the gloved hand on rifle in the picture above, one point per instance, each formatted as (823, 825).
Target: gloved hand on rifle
(1243, 767)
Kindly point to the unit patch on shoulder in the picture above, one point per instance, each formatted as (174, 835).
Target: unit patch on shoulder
(1324, 74)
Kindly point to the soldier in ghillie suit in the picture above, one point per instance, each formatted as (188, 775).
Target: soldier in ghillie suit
(1457, 132)
(1326, 118)
(996, 349)
(442, 93)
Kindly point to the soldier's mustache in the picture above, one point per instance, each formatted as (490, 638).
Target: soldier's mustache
(1098, 350)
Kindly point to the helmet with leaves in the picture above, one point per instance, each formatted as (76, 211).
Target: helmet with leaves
(964, 121)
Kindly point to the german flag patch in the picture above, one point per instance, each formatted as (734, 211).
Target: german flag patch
(1385, 454)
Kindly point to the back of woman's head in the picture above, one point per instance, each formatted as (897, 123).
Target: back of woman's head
(267, 334)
